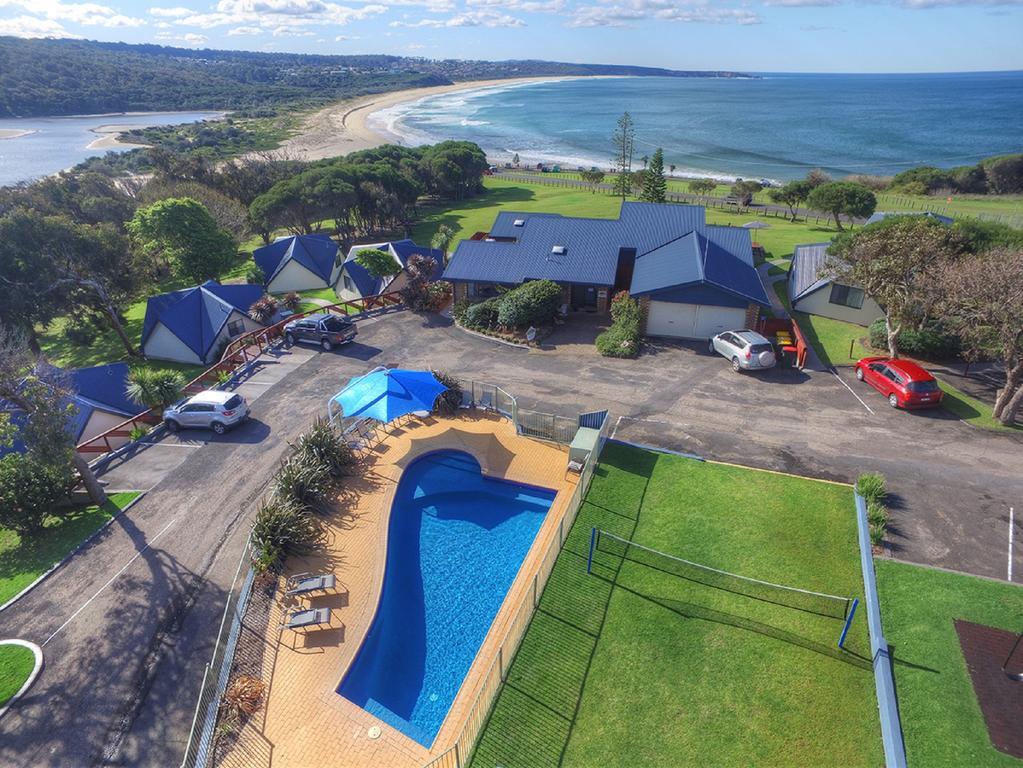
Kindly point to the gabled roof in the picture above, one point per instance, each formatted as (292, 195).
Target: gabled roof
(805, 274)
(401, 250)
(197, 315)
(676, 239)
(316, 252)
(882, 215)
(105, 386)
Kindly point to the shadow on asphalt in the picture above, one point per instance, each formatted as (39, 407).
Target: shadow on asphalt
(248, 432)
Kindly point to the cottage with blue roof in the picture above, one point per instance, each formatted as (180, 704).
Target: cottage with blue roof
(813, 289)
(693, 279)
(298, 263)
(355, 282)
(193, 324)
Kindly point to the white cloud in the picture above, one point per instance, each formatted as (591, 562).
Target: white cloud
(171, 13)
(526, 6)
(271, 14)
(32, 26)
(343, 38)
(244, 31)
(189, 38)
(85, 14)
(623, 14)
(483, 18)
(284, 31)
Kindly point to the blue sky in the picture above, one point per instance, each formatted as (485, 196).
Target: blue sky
(766, 36)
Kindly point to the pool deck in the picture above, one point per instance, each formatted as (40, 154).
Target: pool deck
(305, 722)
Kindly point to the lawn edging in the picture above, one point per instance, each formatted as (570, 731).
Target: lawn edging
(71, 554)
(38, 653)
(884, 675)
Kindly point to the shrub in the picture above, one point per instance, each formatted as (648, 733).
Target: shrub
(378, 263)
(282, 527)
(243, 697)
(30, 489)
(532, 303)
(617, 341)
(154, 388)
(291, 301)
(137, 433)
(254, 275)
(324, 445)
(876, 535)
(625, 309)
(484, 314)
(872, 486)
(877, 514)
(263, 309)
(931, 342)
(460, 309)
(419, 293)
(448, 401)
(304, 479)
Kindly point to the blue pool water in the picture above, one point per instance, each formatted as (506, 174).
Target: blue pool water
(456, 540)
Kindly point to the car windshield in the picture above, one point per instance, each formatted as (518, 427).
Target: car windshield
(756, 349)
(234, 402)
(336, 324)
(923, 386)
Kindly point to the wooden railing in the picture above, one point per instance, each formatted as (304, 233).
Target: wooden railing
(239, 352)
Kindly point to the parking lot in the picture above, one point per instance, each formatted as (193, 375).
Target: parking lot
(138, 607)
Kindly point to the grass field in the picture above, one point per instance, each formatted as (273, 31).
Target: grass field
(16, 664)
(941, 720)
(22, 562)
(632, 666)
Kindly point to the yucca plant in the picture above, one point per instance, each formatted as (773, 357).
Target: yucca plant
(154, 388)
(324, 444)
(263, 309)
(305, 480)
(283, 527)
(449, 400)
(291, 301)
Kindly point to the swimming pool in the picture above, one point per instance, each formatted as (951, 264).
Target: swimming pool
(455, 542)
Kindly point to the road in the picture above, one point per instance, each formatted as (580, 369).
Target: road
(128, 624)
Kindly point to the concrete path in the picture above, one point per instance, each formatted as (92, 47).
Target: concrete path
(129, 623)
(813, 362)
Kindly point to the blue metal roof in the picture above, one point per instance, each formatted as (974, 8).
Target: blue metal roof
(681, 247)
(401, 250)
(805, 275)
(105, 386)
(197, 315)
(316, 252)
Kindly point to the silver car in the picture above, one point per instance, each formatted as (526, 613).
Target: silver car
(212, 409)
(748, 350)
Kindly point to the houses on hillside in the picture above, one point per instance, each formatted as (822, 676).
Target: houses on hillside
(693, 279)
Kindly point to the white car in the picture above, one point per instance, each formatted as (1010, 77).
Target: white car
(748, 350)
(212, 409)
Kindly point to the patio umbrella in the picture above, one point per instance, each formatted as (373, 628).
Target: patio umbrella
(756, 225)
(389, 394)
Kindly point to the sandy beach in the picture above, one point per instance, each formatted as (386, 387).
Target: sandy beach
(343, 127)
(14, 133)
(109, 136)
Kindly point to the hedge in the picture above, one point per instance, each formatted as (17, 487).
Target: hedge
(532, 303)
(931, 342)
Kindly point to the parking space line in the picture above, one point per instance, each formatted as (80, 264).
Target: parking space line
(85, 605)
(1012, 523)
(835, 374)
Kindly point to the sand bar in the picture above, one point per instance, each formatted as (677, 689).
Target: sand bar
(343, 127)
(14, 133)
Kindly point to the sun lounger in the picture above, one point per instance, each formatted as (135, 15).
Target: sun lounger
(308, 620)
(305, 583)
(486, 401)
(466, 399)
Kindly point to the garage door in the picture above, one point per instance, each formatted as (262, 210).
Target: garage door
(692, 321)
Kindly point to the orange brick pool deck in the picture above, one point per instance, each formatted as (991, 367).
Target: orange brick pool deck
(305, 723)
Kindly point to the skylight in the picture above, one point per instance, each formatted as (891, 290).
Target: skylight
(519, 222)
(558, 249)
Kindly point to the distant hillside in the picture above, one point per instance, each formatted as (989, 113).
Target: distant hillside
(67, 77)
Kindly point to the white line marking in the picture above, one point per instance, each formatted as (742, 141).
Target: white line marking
(835, 374)
(177, 445)
(1011, 524)
(110, 581)
(615, 430)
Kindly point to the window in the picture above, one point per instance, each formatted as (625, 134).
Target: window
(846, 296)
(348, 283)
(233, 402)
(335, 324)
(235, 328)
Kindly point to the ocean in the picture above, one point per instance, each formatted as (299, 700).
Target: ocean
(777, 126)
(56, 143)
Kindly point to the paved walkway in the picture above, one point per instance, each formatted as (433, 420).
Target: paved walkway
(813, 362)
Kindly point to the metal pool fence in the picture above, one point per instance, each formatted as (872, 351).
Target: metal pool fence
(459, 754)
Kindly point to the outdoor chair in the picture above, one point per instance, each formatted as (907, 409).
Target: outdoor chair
(575, 466)
(307, 583)
(486, 401)
(466, 399)
(308, 620)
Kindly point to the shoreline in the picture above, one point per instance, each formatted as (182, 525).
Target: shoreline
(14, 133)
(344, 127)
(109, 134)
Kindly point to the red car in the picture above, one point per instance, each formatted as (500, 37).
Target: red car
(905, 384)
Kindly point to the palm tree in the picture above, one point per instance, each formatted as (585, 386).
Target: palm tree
(442, 240)
(154, 388)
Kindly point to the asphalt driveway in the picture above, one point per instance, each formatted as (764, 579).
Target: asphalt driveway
(129, 623)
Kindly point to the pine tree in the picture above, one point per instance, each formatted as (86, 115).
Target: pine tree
(654, 186)
(624, 140)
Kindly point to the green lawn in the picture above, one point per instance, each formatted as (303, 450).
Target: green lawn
(970, 409)
(633, 666)
(941, 720)
(22, 562)
(16, 664)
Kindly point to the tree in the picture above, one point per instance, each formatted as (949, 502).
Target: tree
(442, 238)
(184, 233)
(671, 169)
(816, 177)
(30, 491)
(154, 388)
(842, 198)
(743, 191)
(982, 300)
(889, 260)
(515, 159)
(229, 214)
(290, 203)
(654, 186)
(378, 263)
(416, 291)
(984, 235)
(593, 177)
(645, 159)
(702, 186)
(624, 141)
(792, 194)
